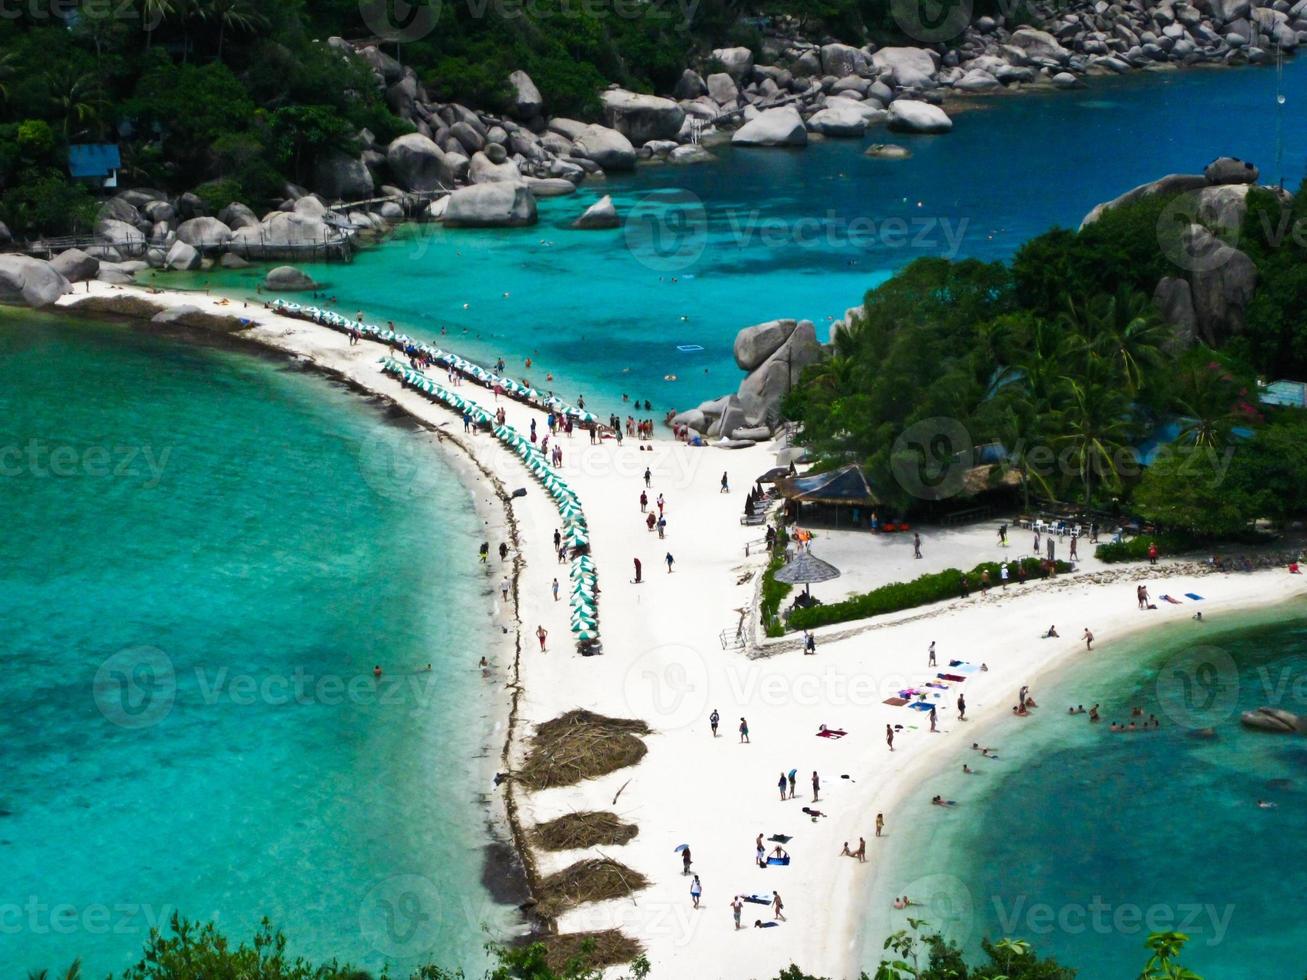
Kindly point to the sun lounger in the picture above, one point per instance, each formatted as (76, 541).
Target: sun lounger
(783, 862)
(1194, 596)
(757, 899)
(832, 733)
(896, 702)
(951, 677)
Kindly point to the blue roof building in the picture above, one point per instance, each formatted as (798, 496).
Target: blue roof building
(96, 163)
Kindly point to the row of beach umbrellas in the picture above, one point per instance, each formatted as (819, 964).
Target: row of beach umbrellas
(330, 318)
(583, 600)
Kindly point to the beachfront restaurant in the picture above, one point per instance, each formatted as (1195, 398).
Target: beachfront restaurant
(838, 498)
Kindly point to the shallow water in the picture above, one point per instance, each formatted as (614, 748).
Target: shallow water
(802, 233)
(205, 556)
(1083, 841)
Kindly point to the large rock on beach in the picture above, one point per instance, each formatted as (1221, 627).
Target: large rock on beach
(842, 59)
(1230, 170)
(755, 344)
(1222, 280)
(282, 230)
(417, 163)
(340, 176)
(736, 62)
(601, 214)
(910, 116)
(182, 257)
(606, 147)
(906, 67)
(287, 278)
(1039, 46)
(1175, 304)
(25, 281)
(782, 126)
(75, 265)
(236, 216)
(1170, 184)
(496, 205)
(525, 102)
(204, 233)
(482, 171)
(641, 118)
(843, 117)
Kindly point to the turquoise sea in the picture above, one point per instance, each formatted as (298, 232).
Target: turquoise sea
(804, 233)
(1082, 841)
(289, 539)
(205, 556)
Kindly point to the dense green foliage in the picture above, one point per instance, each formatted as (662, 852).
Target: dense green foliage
(773, 592)
(933, 587)
(1169, 543)
(192, 952)
(1060, 364)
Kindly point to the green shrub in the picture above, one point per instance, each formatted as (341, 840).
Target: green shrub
(922, 591)
(773, 592)
(1136, 548)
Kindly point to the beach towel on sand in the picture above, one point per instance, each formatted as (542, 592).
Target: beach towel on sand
(783, 862)
(922, 705)
(950, 677)
(939, 687)
(832, 733)
(896, 702)
(1173, 601)
(781, 838)
(1194, 596)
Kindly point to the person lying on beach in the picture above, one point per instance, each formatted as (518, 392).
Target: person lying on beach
(813, 813)
(1051, 634)
(940, 801)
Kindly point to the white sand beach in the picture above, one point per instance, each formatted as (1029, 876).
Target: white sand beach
(663, 662)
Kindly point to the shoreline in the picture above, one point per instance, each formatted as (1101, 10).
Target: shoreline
(649, 652)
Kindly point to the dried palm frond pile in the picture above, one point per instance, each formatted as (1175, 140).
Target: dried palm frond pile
(588, 828)
(592, 880)
(581, 745)
(589, 950)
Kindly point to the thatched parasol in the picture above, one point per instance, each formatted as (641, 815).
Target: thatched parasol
(805, 569)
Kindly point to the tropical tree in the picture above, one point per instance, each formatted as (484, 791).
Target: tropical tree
(1212, 402)
(1096, 428)
(237, 15)
(75, 98)
(1163, 964)
(153, 13)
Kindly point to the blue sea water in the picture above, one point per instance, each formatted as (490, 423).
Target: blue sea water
(204, 556)
(1082, 841)
(770, 233)
(280, 541)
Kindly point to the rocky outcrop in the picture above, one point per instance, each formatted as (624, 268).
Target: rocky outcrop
(418, 164)
(482, 171)
(753, 345)
(606, 147)
(601, 214)
(1170, 184)
(526, 102)
(287, 278)
(497, 205)
(182, 257)
(204, 233)
(1230, 170)
(909, 116)
(1175, 303)
(736, 62)
(907, 68)
(844, 117)
(641, 118)
(75, 265)
(775, 127)
(236, 216)
(692, 153)
(281, 230)
(1222, 284)
(26, 281)
(1274, 720)
(887, 151)
(339, 176)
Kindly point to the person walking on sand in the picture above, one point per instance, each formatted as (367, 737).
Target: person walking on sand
(726, 483)
(503, 551)
(781, 784)
(685, 861)
(554, 589)
(930, 655)
(793, 777)
(648, 477)
(778, 906)
(984, 580)
(696, 890)
(962, 707)
(503, 588)
(916, 545)
(714, 720)
(932, 718)
(889, 737)
(637, 569)
(661, 504)
(1002, 535)
(558, 539)
(744, 731)
(880, 824)
(1152, 552)
(670, 561)
(861, 852)
(1074, 556)
(816, 787)
(1088, 637)
(737, 907)
(809, 644)
(1002, 574)
(644, 501)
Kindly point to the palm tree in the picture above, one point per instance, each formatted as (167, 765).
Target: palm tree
(1095, 425)
(236, 14)
(75, 96)
(1124, 328)
(1212, 403)
(153, 12)
(74, 972)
